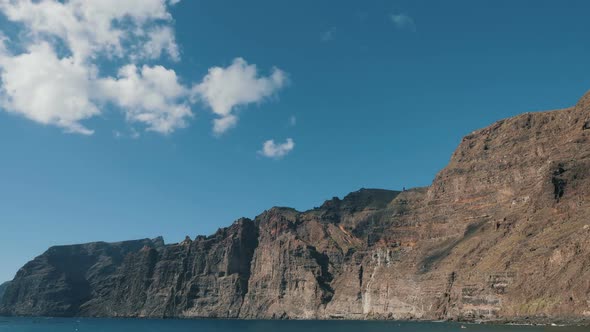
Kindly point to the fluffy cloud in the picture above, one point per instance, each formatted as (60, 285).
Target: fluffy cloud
(403, 21)
(50, 71)
(65, 89)
(161, 39)
(43, 88)
(225, 89)
(90, 27)
(271, 149)
(150, 95)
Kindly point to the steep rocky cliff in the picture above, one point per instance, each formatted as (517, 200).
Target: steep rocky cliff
(144, 278)
(3, 287)
(503, 233)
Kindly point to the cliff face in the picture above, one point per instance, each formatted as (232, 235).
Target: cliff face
(502, 233)
(2, 289)
(144, 278)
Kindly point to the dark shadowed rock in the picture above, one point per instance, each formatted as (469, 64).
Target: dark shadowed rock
(64, 278)
(502, 234)
(143, 278)
(3, 287)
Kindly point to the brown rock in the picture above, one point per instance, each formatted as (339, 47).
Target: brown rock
(501, 234)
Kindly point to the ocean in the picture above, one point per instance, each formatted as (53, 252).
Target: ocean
(171, 325)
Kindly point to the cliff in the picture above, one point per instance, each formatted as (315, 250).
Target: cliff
(3, 287)
(502, 234)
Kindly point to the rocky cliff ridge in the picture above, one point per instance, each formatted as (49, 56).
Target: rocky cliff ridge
(503, 233)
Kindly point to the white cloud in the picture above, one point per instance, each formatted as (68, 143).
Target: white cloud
(225, 89)
(223, 124)
(161, 39)
(89, 27)
(271, 149)
(67, 44)
(150, 95)
(292, 120)
(46, 89)
(63, 90)
(403, 21)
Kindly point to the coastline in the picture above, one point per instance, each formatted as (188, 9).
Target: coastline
(525, 322)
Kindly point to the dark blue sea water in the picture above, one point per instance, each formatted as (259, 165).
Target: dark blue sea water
(145, 325)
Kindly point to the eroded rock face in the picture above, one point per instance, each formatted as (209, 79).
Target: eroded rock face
(3, 287)
(145, 278)
(502, 233)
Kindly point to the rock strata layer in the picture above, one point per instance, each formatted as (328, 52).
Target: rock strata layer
(502, 234)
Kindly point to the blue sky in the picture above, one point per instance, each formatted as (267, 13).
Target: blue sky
(115, 139)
